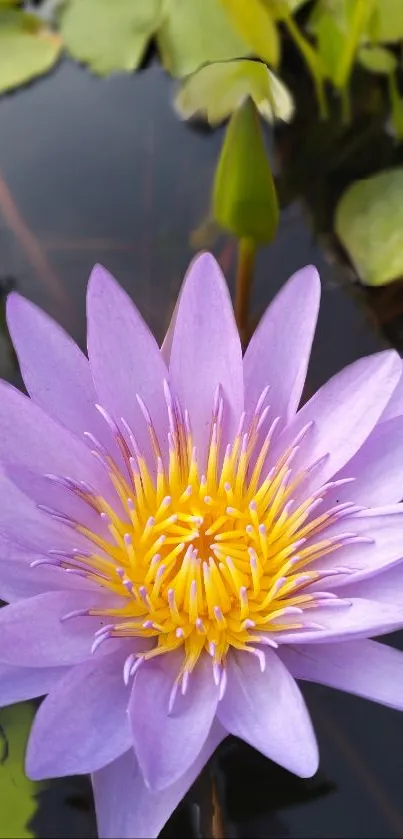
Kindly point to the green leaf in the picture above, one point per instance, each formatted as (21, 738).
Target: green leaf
(256, 26)
(340, 27)
(377, 60)
(244, 195)
(27, 48)
(217, 90)
(369, 223)
(386, 24)
(279, 9)
(17, 801)
(197, 32)
(109, 35)
(357, 16)
(330, 43)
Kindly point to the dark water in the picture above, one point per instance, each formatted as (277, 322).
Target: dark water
(103, 171)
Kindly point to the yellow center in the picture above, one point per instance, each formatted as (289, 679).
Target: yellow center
(207, 561)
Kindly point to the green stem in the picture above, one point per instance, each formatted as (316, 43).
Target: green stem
(244, 282)
(357, 24)
(208, 794)
(312, 60)
(345, 105)
(396, 105)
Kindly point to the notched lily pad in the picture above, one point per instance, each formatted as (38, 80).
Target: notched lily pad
(27, 48)
(217, 90)
(109, 35)
(369, 223)
(197, 32)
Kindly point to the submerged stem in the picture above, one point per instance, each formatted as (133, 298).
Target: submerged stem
(210, 804)
(244, 280)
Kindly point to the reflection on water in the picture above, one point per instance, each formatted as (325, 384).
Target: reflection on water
(103, 171)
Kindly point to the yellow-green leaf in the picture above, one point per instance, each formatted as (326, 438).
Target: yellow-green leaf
(109, 35)
(197, 32)
(27, 48)
(377, 60)
(330, 43)
(244, 195)
(279, 9)
(17, 802)
(216, 91)
(369, 223)
(256, 26)
(340, 28)
(386, 23)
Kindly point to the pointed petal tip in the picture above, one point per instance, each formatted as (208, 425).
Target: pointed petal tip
(309, 764)
(100, 276)
(17, 304)
(307, 276)
(204, 266)
(31, 770)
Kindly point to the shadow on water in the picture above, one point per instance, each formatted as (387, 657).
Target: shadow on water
(103, 171)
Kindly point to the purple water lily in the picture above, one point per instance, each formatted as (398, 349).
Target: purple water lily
(180, 543)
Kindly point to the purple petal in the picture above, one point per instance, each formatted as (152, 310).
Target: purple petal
(377, 469)
(362, 559)
(82, 724)
(359, 619)
(166, 345)
(365, 668)
(55, 371)
(166, 744)
(125, 358)
(386, 587)
(20, 683)
(22, 523)
(267, 710)
(394, 408)
(32, 633)
(206, 350)
(125, 806)
(345, 410)
(19, 581)
(30, 438)
(279, 351)
(49, 493)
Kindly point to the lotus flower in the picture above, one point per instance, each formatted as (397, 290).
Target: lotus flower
(180, 541)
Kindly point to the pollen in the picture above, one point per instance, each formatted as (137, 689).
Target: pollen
(205, 557)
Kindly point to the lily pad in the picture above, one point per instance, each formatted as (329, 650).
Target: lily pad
(197, 32)
(369, 223)
(109, 35)
(217, 90)
(17, 801)
(27, 48)
(257, 27)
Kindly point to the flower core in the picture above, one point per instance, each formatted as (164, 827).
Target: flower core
(206, 559)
